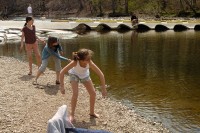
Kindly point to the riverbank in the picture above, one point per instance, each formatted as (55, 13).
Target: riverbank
(26, 108)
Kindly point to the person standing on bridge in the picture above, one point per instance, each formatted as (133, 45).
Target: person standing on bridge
(28, 33)
(5, 13)
(134, 19)
(30, 10)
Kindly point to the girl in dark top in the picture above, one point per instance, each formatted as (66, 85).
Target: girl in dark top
(28, 33)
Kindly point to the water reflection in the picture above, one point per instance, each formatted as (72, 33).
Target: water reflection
(157, 74)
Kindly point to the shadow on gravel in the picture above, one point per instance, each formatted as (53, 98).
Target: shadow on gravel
(84, 124)
(48, 88)
(26, 77)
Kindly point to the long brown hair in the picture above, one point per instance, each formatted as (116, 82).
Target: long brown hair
(82, 54)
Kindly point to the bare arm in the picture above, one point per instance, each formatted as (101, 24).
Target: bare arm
(42, 41)
(62, 74)
(101, 76)
(22, 41)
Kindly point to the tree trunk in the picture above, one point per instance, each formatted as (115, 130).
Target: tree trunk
(194, 3)
(12, 5)
(90, 6)
(69, 5)
(113, 6)
(188, 3)
(181, 5)
(80, 6)
(126, 6)
(100, 7)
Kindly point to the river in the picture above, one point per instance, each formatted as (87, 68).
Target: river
(155, 73)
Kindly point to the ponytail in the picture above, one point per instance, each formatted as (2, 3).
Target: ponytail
(25, 24)
(82, 54)
(27, 20)
(75, 56)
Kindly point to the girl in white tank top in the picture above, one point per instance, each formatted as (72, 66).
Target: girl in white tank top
(78, 70)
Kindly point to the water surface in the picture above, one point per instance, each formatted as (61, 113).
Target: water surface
(155, 73)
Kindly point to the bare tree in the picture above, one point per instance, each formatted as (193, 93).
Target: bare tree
(91, 7)
(113, 6)
(191, 7)
(181, 5)
(194, 3)
(80, 6)
(100, 7)
(126, 6)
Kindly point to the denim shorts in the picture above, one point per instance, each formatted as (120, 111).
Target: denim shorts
(44, 64)
(73, 77)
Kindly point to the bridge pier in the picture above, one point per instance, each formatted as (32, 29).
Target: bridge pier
(142, 26)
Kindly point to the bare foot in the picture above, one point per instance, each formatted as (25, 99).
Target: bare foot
(62, 90)
(71, 118)
(35, 82)
(30, 73)
(94, 115)
(57, 82)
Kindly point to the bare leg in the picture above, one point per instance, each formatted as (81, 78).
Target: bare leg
(38, 58)
(37, 54)
(91, 90)
(57, 68)
(38, 75)
(74, 98)
(41, 69)
(30, 61)
(57, 77)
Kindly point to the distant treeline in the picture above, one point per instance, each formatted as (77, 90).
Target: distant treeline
(108, 8)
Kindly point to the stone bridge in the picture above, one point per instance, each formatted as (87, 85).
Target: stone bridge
(141, 26)
(11, 29)
(101, 26)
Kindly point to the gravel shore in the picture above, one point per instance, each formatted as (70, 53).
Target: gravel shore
(26, 108)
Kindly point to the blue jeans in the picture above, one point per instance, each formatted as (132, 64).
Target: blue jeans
(82, 130)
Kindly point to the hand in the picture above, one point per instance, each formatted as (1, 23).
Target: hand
(61, 52)
(43, 41)
(104, 92)
(62, 90)
(21, 48)
(69, 60)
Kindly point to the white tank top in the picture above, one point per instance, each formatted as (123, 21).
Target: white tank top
(81, 72)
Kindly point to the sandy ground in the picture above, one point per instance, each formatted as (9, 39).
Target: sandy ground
(26, 108)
